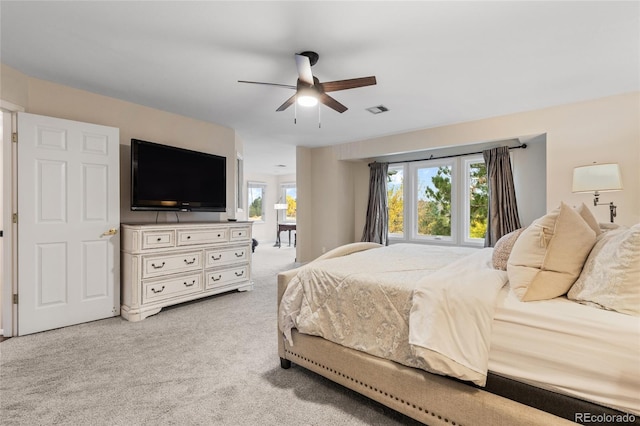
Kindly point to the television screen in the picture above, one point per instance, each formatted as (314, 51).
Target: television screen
(169, 178)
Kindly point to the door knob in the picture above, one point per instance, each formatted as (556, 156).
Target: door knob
(112, 231)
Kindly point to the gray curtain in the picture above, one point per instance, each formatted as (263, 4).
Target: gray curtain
(376, 228)
(503, 209)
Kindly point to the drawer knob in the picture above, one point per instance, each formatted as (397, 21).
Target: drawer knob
(218, 278)
(188, 237)
(240, 255)
(157, 291)
(190, 263)
(239, 274)
(213, 257)
(157, 267)
(159, 239)
(189, 284)
(219, 235)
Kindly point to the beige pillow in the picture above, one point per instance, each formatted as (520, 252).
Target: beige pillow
(548, 256)
(502, 249)
(588, 217)
(611, 275)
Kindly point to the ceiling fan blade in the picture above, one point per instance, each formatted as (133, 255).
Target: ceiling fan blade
(332, 86)
(304, 69)
(287, 103)
(331, 103)
(288, 86)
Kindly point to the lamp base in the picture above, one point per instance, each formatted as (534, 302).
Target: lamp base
(612, 207)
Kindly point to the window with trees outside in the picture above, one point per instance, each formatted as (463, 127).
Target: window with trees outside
(442, 201)
(255, 200)
(289, 195)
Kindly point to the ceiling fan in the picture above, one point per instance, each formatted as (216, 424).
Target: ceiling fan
(309, 90)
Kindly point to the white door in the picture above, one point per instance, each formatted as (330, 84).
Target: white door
(68, 222)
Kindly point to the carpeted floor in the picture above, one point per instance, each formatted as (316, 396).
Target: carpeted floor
(210, 362)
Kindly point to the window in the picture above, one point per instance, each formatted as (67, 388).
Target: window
(255, 201)
(433, 200)
(239, 182)
(395, 200)
(288, 195)
(476, 199)
(440, 201)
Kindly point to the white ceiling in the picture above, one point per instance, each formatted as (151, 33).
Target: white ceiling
(436, 63)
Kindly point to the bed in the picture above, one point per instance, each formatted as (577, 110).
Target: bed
(498, 354)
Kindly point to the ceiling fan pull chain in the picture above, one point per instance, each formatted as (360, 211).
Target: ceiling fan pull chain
(319, 120)
(295, 111)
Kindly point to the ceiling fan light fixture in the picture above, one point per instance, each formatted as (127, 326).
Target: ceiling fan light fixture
(307, 97)
(307, 101)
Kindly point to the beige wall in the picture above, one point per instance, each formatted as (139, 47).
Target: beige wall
(601, 130)
(303, 203)
(327, 200)
(13, 86)
(134, 121)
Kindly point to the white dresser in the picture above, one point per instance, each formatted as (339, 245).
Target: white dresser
(165, 264)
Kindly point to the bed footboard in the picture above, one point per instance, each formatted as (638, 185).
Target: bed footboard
(428, 398)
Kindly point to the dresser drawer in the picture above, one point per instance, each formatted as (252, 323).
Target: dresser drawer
(240, 234)
(190, 237)
(157, 239)
(224, 256)
(173, 287)
(222, 277)
(153, 266)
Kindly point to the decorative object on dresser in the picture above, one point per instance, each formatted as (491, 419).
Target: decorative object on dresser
(167, 264)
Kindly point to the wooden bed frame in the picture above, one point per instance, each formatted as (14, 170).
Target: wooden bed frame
(426, 397)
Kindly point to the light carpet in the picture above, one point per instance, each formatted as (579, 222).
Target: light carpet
(210, 362)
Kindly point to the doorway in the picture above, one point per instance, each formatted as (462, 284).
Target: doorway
(93, 251)
(7, 114)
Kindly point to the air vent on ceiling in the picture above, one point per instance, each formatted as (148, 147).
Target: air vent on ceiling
(378, 109)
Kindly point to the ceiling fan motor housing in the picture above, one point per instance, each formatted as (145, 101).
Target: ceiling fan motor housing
(313, 56)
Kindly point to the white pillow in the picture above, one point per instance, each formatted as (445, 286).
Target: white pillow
(611, 275)
(548, 256)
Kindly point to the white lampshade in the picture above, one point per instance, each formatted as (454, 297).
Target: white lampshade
(597, 177)
(280, 206)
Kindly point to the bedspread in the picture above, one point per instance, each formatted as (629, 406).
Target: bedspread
(363, 300)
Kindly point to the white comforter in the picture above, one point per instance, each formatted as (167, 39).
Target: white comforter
(428, 307)
(451, 317)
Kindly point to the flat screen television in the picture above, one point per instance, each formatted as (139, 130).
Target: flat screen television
(168, 178)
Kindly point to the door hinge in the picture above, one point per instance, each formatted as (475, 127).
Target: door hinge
(14, 137)
(14, 217)
(15, 299)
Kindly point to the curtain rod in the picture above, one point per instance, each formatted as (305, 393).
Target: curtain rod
(523, 146)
